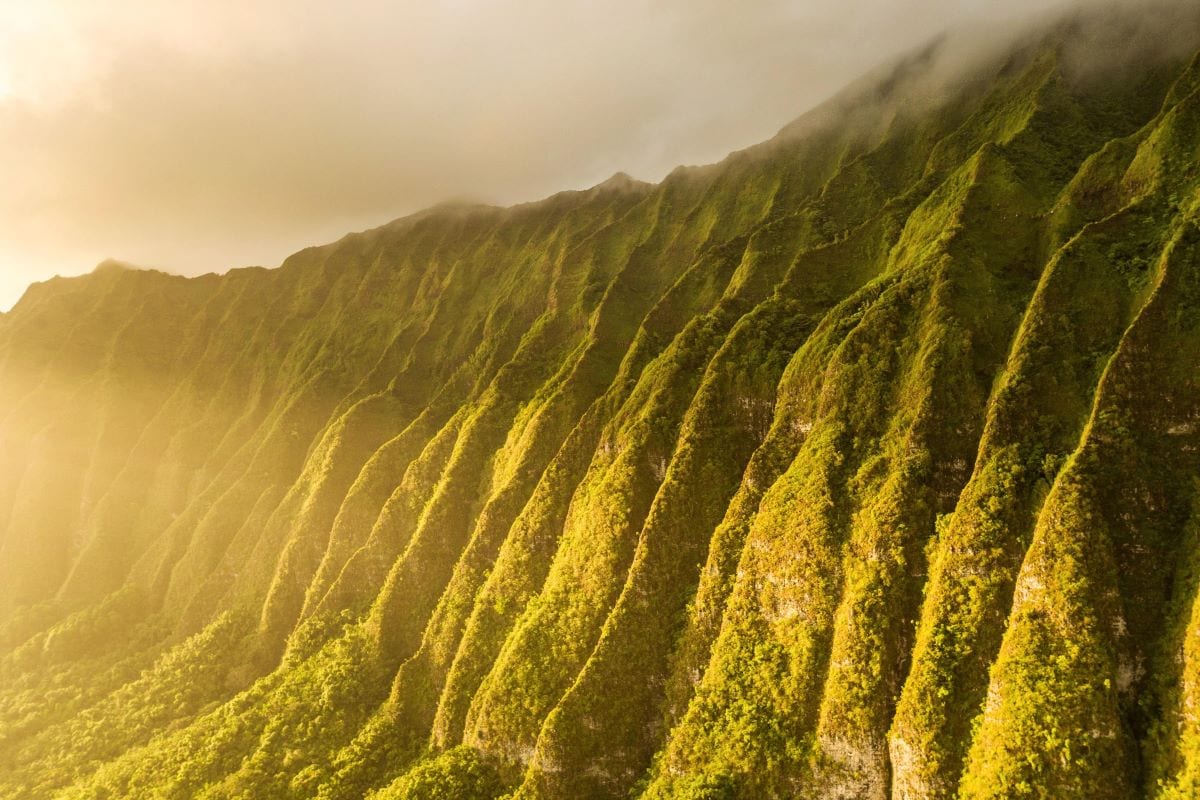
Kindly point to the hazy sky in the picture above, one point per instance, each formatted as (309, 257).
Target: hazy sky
(199, 135)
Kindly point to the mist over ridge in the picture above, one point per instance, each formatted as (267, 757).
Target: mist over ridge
(204, 136)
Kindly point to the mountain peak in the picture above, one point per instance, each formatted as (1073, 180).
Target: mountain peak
(620, 181)
(114, 265)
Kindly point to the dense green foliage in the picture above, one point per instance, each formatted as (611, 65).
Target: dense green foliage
(865, 463)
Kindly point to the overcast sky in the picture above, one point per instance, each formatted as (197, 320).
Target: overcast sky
(199, 135)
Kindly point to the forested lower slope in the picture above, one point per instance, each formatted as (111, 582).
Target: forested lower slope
(863, 464)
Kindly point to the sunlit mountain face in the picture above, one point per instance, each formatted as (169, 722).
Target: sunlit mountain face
(864, 463)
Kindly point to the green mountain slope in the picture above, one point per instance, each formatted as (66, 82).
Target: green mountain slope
(863, 464)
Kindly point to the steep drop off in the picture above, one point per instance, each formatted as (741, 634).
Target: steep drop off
(863, 464)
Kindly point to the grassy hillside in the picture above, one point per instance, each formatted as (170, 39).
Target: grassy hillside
(863, 464)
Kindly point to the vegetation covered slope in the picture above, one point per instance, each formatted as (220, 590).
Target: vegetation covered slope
(863, 464)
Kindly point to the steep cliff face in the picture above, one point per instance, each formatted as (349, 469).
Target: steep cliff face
(863, 464)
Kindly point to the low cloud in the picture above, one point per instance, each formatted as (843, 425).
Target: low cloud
(198, 136)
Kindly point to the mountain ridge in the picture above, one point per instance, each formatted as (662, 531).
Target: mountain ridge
(860, 464)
